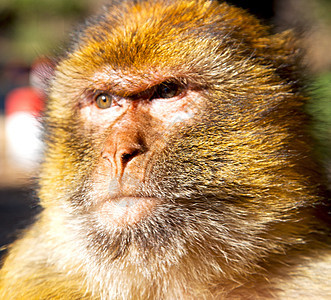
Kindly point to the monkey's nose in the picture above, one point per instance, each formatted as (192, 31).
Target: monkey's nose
(121, 156)
(119, 151)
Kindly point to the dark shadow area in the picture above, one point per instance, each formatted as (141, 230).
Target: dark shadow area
(261, 9)
(18, 207)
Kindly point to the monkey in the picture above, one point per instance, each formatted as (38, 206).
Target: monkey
(178, 164)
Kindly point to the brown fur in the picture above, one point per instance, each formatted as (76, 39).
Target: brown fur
(241, 199)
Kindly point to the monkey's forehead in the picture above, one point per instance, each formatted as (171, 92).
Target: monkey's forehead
(163, 32)
(146, 42)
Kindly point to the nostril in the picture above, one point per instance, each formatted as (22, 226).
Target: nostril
(126, 157)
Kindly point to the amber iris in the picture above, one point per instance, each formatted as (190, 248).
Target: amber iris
(103, 100)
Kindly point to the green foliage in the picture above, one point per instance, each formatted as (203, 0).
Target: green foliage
(324, 9)
(320, 109)
(30, 28)
(59, 7)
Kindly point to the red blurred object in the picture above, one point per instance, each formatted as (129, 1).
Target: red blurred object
(24, 148)
(25, 99)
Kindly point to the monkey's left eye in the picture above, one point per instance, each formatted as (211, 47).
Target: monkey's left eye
(167, 90)
(103, 100)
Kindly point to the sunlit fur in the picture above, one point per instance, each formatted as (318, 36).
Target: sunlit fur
(241, 199)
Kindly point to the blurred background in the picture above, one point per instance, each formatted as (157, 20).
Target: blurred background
(31, 30)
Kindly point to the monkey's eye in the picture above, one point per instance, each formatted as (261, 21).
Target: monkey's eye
(103, 100)
(167, 90)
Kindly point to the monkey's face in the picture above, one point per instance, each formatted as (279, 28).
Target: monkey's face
(169, 134)
(129, 133)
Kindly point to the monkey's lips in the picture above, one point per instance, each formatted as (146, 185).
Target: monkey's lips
(125, 210)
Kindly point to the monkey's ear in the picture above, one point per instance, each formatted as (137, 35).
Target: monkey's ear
(42, 73)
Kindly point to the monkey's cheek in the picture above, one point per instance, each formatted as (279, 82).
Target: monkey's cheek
(125, 211)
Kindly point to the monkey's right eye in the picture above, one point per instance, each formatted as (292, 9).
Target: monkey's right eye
(103, 100)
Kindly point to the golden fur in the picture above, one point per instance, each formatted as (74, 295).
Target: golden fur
(243, 199)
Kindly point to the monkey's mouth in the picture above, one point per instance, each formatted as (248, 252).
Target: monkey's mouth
(124, 211)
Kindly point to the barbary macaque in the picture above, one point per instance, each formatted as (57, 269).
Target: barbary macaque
(177, 164)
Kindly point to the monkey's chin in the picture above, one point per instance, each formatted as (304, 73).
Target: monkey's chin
(125, 210)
